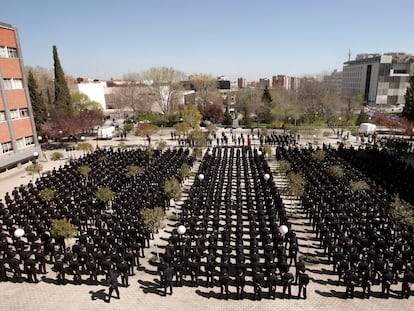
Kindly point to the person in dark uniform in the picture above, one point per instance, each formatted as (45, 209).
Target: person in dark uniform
(60, 271)
(168, 277)
(271, 283)
(113, 285)
(303, 284)
(30, 269)
(224, 283)
(351, 281)
(408, 279)
(366, 283)
(14, 266)
(74, 268)
(240, 283)
(258, 280)
(91, 267)
(287, 280)
(387, 279)
(123, 269)
(178, 270)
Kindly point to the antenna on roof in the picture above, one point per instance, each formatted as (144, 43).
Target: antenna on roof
(349, 55)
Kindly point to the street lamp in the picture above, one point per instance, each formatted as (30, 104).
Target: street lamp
(283, 229)
(266, 176)
(18, 233)
(201, 177)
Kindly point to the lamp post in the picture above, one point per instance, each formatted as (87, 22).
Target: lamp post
(181, 231)
(266, 177)
(201, 177)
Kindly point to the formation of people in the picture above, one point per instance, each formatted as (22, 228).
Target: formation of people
(233, 218)
(111, 236)
(364, 244)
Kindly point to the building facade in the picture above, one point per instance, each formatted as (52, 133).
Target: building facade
(381, 79)
(18, 138)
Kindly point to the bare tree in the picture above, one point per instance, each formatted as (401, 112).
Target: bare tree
(133, 95)
(165, 86)
(206, 90)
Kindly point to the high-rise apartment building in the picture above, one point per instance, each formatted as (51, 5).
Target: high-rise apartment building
(241, 83)
(18, 138)
(382, 79)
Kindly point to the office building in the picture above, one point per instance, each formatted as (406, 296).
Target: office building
(381, 79)
(18, 139)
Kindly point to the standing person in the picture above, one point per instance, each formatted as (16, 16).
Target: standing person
(224, 283)
(303, 283)
(168, 277)
(350, 281)
(240, 282)
(258, 280)
(287, 280)
(113, 285)
(387, 278)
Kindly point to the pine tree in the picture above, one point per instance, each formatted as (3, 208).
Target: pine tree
(62, 102)
(38, 104)
(266, 97)
(408, 111)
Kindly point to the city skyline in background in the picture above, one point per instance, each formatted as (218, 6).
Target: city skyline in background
(104, 40)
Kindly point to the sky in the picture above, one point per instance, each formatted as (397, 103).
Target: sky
(233, 38)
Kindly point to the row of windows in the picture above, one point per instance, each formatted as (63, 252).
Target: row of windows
(13, 84)
(15, 114)
(21, 144)
(8, 52)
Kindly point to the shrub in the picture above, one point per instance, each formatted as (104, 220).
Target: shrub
(46, 194)
(319, 155)
(336, 171)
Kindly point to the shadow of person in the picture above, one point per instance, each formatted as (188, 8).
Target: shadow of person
(151, 287)
(100, 294)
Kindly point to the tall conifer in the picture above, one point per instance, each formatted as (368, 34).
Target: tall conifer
(408, 111)
(62, 102)
(38, 104)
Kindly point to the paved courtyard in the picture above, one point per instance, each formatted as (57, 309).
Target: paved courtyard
(144, 293)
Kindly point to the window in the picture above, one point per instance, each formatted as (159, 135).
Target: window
(14, 114)
(13, 84)
(6, 147)
(2, 116)
(12, 52)
(29, 140)
(24, 112)
(8, 52)
(20, 143)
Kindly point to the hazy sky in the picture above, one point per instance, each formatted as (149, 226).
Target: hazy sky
(236, 38)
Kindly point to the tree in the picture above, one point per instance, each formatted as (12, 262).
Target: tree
(362, 117)
(214, 113)
(165, 86)
(358, 185)
(63, 228)
(152, 221)
(34, 168)
(39, 108)
(84, 170)
(133, 95)
(319, 155)
(146, 129)
(284, 166)
(81, 102)
(296, 186)
(182, 128)
(402, 211)
(172, 189)
(336, 171)
(56, 156)
(408, 110)
(62, 102)
(104, 195)
(191, 115)
(266, 97)
(133, 170)
(206, 90)
(46, 194)
(85, 147)
(228, 120)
